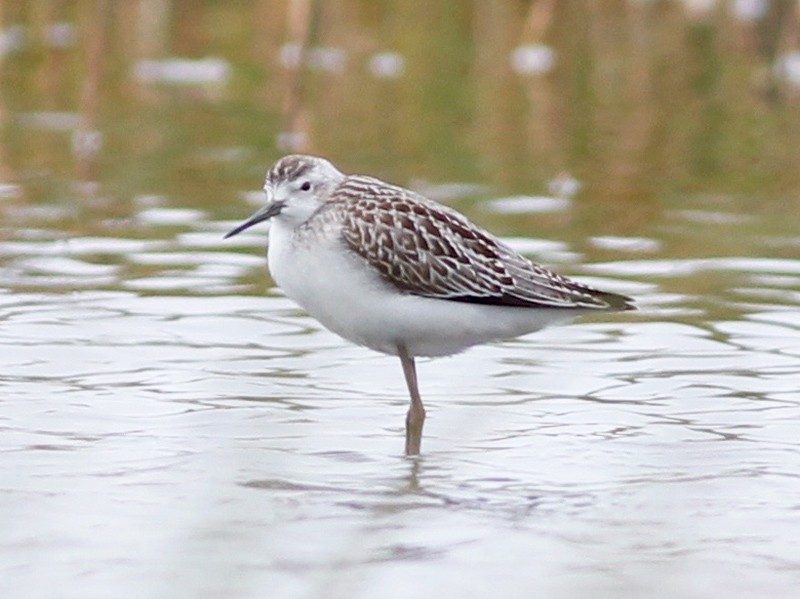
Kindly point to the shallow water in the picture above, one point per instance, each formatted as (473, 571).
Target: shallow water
(170, 431)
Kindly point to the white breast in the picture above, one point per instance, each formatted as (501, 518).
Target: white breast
(340, 290)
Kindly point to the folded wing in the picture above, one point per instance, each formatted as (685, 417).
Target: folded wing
(427, 249)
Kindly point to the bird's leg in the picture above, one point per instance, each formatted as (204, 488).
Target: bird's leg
(416, 412)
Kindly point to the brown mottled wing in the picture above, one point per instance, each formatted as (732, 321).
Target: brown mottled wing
(429, 250)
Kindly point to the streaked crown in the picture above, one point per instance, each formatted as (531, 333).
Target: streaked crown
(300, 167)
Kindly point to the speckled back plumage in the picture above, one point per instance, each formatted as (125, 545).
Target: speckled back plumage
(426, 249)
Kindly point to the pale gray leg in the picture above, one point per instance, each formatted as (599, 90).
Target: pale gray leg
(416, 412)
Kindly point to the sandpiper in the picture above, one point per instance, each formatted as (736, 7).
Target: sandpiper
(389, 269)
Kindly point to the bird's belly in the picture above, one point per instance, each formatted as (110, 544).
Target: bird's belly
(339, 289)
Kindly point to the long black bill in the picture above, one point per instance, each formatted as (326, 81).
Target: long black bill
(266, 213)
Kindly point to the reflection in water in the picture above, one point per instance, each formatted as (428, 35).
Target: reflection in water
(171, 426)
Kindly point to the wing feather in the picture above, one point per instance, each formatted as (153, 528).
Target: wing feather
(427, 249)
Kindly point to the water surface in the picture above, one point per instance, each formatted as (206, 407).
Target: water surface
(170, 431)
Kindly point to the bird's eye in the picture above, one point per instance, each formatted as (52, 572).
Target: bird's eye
(305, 186)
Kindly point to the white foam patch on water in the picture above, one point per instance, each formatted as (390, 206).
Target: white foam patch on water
(528, 205)
(170, 216)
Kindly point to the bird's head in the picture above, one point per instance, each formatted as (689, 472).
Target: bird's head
(296, 186)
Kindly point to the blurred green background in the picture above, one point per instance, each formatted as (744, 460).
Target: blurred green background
(636, 99)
